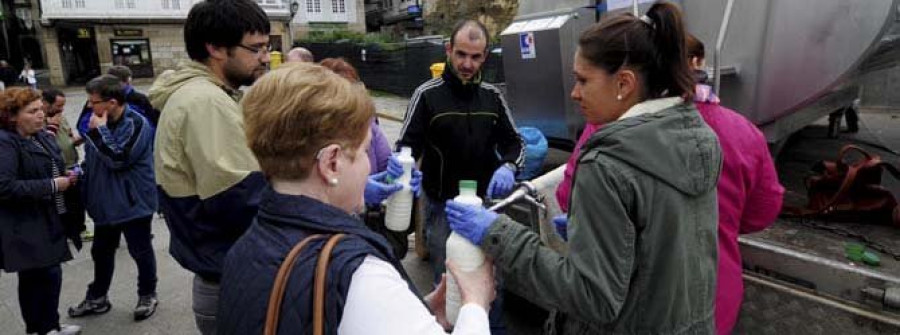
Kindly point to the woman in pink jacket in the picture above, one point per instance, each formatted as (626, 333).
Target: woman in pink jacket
(749, 192)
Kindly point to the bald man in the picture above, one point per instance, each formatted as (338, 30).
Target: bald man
(299, 55)
(458, 146)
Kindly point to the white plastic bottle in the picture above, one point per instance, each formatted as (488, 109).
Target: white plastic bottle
(463, 253)
(399, 206)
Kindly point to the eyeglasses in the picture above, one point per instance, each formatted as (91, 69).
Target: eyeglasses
(259, 51)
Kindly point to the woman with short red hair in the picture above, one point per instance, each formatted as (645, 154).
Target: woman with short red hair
(32, 236)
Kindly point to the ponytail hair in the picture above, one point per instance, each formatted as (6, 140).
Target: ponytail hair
(653, 46)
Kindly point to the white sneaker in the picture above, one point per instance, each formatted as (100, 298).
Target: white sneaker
(65, 329)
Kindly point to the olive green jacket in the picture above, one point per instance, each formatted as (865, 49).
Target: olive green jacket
(642, 229)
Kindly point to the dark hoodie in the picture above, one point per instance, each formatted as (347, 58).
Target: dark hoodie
(642, 232)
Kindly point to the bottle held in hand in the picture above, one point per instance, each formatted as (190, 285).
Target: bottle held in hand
(466, 255)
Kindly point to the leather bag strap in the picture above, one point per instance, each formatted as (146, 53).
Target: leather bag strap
(273, 312)
(319, 284)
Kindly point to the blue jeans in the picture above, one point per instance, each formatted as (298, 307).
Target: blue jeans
(437, 230)
(436, 233)
(205, 303)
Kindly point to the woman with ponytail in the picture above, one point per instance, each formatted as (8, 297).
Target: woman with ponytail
(643, 213)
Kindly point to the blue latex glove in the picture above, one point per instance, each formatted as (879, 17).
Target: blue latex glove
(394, 168)
(415, 183)
(472, 222)
(561, 222)
(501, 183)
(377, 189)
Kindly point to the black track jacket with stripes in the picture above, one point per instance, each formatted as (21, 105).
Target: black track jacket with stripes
(460, 131)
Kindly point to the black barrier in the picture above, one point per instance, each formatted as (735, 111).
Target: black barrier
(396, 68)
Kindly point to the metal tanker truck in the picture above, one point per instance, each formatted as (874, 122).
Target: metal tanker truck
(783, 64)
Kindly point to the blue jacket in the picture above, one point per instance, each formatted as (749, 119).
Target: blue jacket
(252, 263)
(118, 181)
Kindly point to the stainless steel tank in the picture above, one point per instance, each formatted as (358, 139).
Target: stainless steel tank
(786, 62)
(539, 80)
(789, 62)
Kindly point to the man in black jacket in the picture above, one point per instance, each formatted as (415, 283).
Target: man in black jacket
(462, 129)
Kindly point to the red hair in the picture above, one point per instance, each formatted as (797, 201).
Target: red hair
(342, 68)
(12, 100)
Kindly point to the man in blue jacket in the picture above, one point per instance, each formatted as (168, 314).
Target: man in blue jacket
(119, 194)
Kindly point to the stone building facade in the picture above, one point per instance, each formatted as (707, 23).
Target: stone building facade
(82, 39)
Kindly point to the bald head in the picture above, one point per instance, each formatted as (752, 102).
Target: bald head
(470, 31)
(299, 55)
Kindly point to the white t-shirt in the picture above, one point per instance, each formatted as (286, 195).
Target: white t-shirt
(380, 302)
(28, 76)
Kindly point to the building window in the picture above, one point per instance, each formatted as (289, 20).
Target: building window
(130, 4)
(314, 6)
(165, 4)
(135, 54)
(338, 6)
(176, 4)
(120, 4)
(79, 3)
(66, 3)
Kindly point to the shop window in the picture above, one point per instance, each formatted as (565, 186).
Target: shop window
(135, 54)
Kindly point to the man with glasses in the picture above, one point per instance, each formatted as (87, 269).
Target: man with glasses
(120, 195)
(210, 181)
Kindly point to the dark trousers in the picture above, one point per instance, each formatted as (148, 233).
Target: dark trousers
(39, 298)
(103, 252)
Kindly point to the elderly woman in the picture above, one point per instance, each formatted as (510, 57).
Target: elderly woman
(309, 130)
(643, 214)
(32, 237)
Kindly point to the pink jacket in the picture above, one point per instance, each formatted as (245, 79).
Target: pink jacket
(749, 200)
(565, 187)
